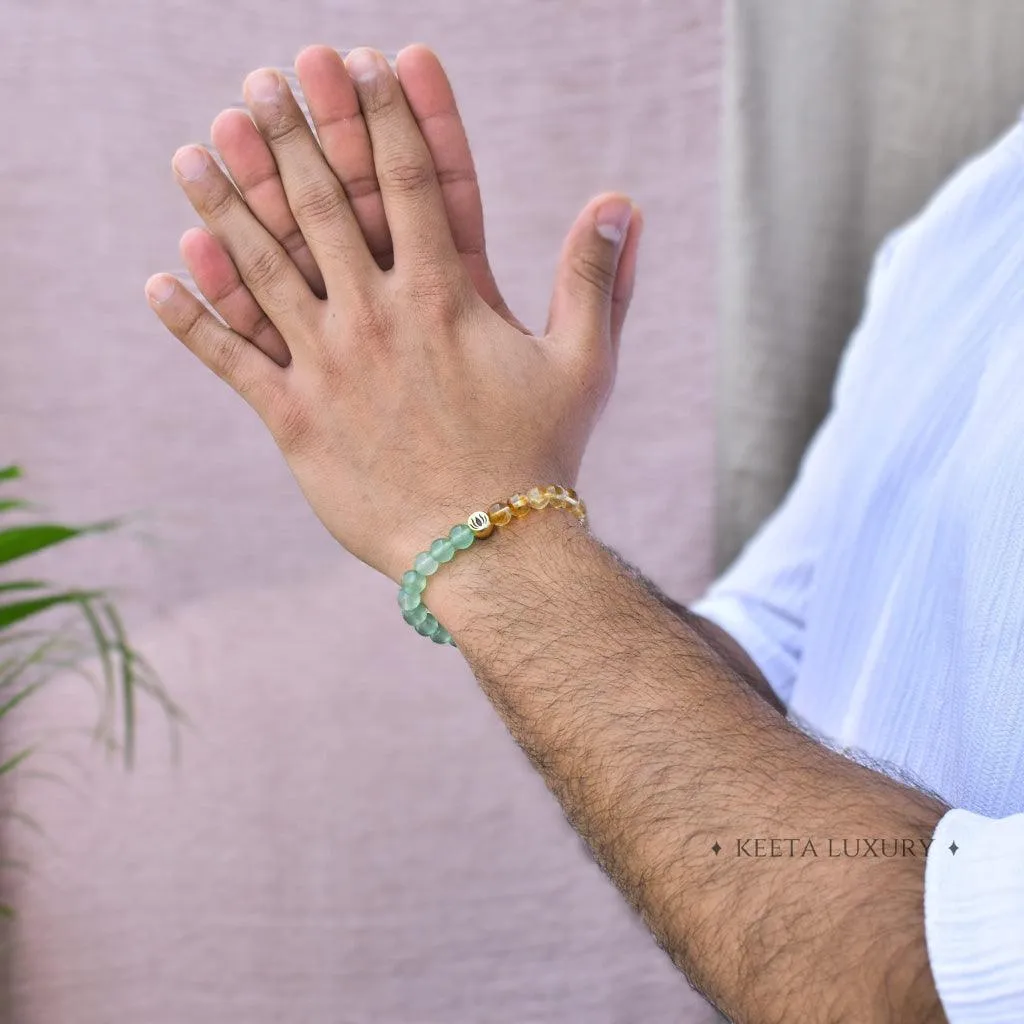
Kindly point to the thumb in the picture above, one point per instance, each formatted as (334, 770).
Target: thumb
(590, 292)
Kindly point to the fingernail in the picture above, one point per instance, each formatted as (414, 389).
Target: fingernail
(263, 86)
(613, 220)
(159, 289)
(190, 163)
(364, 64)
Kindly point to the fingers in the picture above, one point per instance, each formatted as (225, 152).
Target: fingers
(408, 180)
(315, 195)
(432, 102)
(585, 289)
(230, 356)
(345, 141)
(216, 277)
(252, 167)
(268, 272)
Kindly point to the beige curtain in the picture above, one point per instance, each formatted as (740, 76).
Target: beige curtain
(841, 117)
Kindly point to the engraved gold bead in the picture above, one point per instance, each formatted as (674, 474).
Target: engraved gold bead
(500, 514)
(519, 504)
(481, 525)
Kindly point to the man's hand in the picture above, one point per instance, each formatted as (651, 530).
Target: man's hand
(345, 142)
(371, 339)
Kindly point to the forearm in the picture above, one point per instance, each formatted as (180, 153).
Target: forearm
(657, 750)
(728, 649)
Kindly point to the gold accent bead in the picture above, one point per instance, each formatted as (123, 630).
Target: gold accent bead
(537, 498)
(519, 505)
(481, 525)
(500, 514)
(571, 495)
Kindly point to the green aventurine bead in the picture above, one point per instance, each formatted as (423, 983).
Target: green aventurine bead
(425, 564)
(429, 625)
(414, 582)
(443, 550)
(462, 536)
(408, 600)
(441, 636)
(416, 615)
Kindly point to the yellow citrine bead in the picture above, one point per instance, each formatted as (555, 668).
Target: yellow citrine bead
(571, 495)
(579, 510)
(537, 498)
(519, 505)
(553, 491)
(564, 499)
(500, 514)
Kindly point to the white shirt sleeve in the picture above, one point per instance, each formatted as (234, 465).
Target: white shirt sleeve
(974, 917)
(762, 599)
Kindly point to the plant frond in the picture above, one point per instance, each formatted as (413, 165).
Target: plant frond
(21, 541)
(12, 762)
(16, 611)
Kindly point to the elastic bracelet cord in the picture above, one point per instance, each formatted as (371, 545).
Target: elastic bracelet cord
(463, 536)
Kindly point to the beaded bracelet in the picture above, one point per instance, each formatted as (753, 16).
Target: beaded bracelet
(462, 536)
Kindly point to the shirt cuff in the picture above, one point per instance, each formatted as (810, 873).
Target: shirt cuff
(974, 917)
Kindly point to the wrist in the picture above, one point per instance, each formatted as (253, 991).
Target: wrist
(431, 517)
(529, 557)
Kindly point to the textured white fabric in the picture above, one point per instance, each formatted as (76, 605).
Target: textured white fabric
(974, 917)
(884, 600)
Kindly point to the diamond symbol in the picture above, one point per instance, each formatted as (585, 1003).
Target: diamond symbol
(716, 848)
(953, 847)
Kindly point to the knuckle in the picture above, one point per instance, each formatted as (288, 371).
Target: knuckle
(225, 358)
(263, 270)
(457, 176)
(438, 291)
(217, 204)
(229, 289)
(594, 271)
(409, 177)
(318, 204)
(378, 99)
(190, 326)
(371, 321)
(283, 131)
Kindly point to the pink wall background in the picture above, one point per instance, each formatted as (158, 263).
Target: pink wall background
(350, 835)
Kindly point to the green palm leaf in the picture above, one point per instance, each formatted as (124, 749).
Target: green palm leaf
(21, 541)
